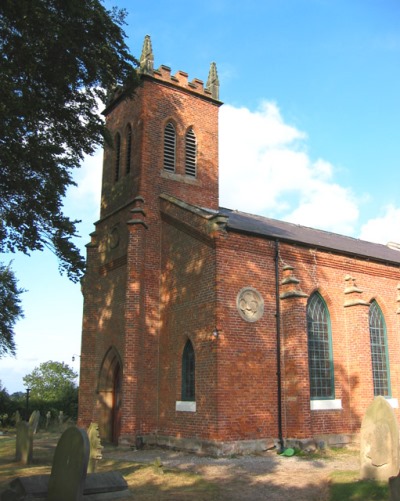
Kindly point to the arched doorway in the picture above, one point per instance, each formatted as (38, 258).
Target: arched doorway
(116, 407)
(110, 396)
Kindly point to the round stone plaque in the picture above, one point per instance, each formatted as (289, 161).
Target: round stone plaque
(250, 304)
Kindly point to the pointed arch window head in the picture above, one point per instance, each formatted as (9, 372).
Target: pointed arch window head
(190, 153)
(379, 353)
(128, 139)
(319, 349)
(169, 147)
(117, 147)
(188, 373)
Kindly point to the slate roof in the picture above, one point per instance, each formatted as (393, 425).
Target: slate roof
(302, 235)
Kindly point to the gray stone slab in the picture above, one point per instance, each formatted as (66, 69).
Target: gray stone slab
(96, 483)
(35, 486)
(110, 481)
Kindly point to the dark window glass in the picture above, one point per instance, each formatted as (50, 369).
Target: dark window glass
(188, 373)
(319, 349)
(380, 363)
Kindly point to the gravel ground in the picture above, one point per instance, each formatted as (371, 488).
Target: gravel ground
(267, 476)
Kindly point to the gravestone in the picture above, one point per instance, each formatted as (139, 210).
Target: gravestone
(34, 421)
(17, 417)
(24, 443)
(379, 442)
(48, 418)
(68, 480)
(95, 447)
(68, 472)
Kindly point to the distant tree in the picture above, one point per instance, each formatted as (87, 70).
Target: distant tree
(10, 309)
(51, 382)
(58, 60)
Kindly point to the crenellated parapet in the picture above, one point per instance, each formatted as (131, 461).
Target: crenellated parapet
(180, 78)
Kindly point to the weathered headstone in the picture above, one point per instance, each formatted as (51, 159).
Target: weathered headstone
(68, 472)
(95, 447)
(68, 480)
(17, 417)
(34, 421)
(48, 418)
(24, 443)
(379, 442)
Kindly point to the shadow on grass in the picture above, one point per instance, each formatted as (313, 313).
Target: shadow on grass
(203, 479)
(346, 486)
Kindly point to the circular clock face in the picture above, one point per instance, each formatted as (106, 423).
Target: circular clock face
(114, 238)
(250, 304)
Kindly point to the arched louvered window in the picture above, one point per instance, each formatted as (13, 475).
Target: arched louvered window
(117, 146)
(169, 147)
(188, 373)
(191, 153)
(128, 150)
(379, 353)
(319, 349)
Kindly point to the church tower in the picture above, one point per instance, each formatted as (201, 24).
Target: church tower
(164, 144)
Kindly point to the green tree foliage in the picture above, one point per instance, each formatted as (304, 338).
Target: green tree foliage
(10, 309)
(51, 381)
(59, 59)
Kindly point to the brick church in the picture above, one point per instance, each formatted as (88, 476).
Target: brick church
(216, 330)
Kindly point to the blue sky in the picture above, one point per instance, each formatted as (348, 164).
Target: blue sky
(309, 133)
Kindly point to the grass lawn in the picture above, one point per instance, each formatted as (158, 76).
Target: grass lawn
(346, 486)
(145, 482)
(149, 482)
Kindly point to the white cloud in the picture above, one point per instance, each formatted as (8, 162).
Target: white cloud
(265, 169)
(383, 229)
(88, 180)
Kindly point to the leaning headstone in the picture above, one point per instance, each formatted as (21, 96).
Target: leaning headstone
(17, 417)
(24, 443)
(379, 442)
(34, 421)
(48, 418)
(95, 447)
(60, 418)
(68, 472)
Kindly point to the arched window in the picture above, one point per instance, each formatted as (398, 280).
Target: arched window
(319, 349)
(188, 373)
(128, 149)
(379, 354)
(117, 145)
(190, 153)
(169, 147)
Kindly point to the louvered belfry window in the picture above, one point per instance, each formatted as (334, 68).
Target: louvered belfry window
(117, 145)
(169, 147)
(379, 354)
(191, 151)
(128, 149)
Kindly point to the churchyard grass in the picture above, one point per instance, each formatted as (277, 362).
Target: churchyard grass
(345, 485)
(145, 482)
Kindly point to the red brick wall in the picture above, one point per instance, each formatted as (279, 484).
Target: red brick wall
(122, 283)
(172, 278)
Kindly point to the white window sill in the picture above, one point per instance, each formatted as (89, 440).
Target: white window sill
(393, 402)
(185, 406)
(326, 405)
